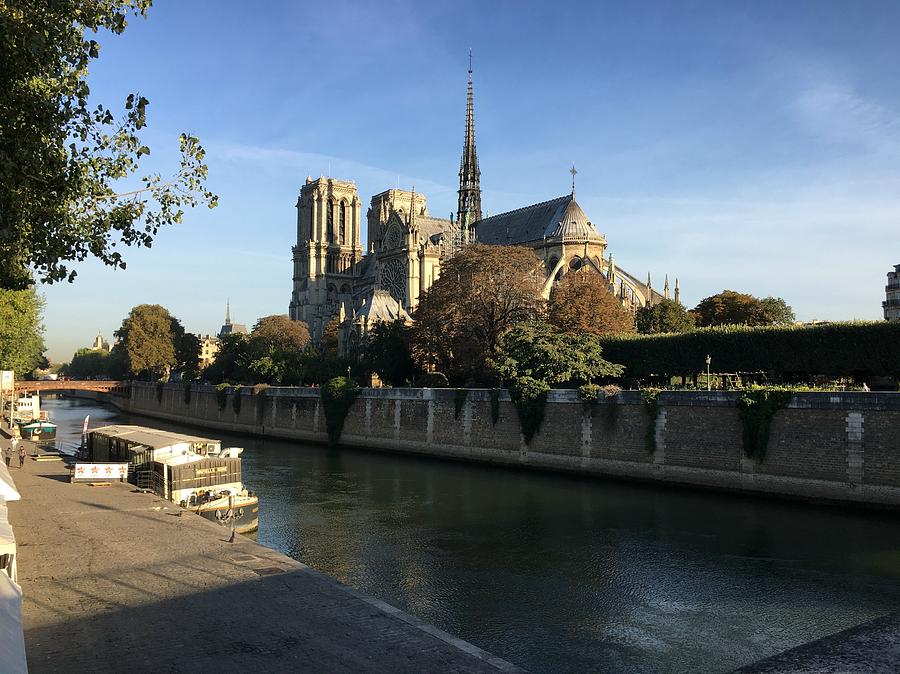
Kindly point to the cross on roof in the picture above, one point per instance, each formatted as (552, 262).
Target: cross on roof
(574, 172)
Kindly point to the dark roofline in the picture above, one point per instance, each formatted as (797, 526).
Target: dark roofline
(525, 208)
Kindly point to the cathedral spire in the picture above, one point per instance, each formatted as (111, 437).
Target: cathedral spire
(666, 287)
(412, 209)
(228, 312)
(469, 208)
(677, 292)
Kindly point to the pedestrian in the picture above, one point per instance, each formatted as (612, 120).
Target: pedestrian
(7, 455)
(22, 456)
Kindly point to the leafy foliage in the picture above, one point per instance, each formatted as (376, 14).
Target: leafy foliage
(777, 311)
(222, 396)
(187, 356)
(835, 349)
(160, 389)
(148, 337)
(581, 302)
(536, 349)
(663, 317)
(529, 395)
(61, 159)
(756, 408)
(328, 345)
(650, 398)
(236, 398)
(481, 292)
(21, 330)
(588, 393)
(733, 308)
(337, 396)
(387, 351)
(87, 363)
(432, 380)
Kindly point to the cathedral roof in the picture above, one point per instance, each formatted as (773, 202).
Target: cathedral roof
(557, 218)
(382, 307)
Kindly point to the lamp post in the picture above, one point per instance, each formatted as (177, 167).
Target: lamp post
(708, 361)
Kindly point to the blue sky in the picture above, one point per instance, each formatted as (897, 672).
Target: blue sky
(750, 146)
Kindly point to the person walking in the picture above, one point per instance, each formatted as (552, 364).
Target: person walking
(7, 455)
(21, 456)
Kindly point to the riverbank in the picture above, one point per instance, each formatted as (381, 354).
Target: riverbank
(828, 447)
(114, 579)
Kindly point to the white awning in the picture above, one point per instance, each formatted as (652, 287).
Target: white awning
(12, 638)
(7, 487)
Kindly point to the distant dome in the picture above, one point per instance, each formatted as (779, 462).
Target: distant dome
(574, 224)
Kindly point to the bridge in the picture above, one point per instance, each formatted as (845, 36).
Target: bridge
(119, 387)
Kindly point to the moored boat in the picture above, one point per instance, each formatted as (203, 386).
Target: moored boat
(192, 472)
(37, 430)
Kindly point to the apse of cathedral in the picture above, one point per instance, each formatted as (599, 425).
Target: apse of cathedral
(335, 278)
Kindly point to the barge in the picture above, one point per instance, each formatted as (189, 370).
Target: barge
(193, 472)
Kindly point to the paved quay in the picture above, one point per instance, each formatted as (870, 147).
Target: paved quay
(116, 580)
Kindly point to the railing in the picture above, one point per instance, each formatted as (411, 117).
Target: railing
(150, 480)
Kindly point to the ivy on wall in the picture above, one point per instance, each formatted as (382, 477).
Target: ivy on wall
(337, 398)
(529, 395)
(222, 395)
(236, 399)
(187, 393)
(459, 401)
(650, 398)
(495, 406)
(160, 387)
(757, 408)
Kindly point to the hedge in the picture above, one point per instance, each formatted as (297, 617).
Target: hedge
(832, 349)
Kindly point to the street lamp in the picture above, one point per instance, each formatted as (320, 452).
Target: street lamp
(348, 374)
(708, 361)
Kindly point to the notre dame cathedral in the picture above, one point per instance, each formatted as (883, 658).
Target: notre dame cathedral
(335, 277)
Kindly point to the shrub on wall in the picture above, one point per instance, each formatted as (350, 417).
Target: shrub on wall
(757, 407)
(222, 395)
(495, 406)
(650, 397)
(337, 397)
(529, 395)
(587, 393)
(459, 401)
(236, 399)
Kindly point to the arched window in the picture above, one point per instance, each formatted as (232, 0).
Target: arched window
(342, 222)
(575, 264)
(329, 222)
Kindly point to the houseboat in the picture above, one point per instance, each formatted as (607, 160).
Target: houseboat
(192, 472)
(34, 424)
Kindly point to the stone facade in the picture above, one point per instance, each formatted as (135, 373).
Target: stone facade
(825, 446)
(334, 279)
(891, 304)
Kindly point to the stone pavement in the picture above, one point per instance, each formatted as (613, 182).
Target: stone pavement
(116, 580)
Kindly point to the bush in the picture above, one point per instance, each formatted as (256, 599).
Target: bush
(432, 380)
(588, 393)
(337, 397)
(836, 349)
(236, 400)
(757, 408)
(529, 395)
(222, 395)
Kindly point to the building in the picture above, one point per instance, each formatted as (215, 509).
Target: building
(209, 347)
(101, 344)
(228, 327)
(334, 278)
(891, 304)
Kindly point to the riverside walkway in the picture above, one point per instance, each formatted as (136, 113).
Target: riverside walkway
(116, 580)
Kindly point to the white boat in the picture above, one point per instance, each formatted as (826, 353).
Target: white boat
(193, 472)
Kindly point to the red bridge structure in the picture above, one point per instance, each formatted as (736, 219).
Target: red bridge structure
(119, 387)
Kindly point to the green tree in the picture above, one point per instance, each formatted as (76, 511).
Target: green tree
(541, 352)
(230, 364)
(778, 312)
(148, 338)
(730, 308)
(280, 332)
(21, 330)
(274, 350)
(87, 363)
(581, 302)
(481, 293)
(65, 163)
(187, 356)
(665, 316)
(387, 351)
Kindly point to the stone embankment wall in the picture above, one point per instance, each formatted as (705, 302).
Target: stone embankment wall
(830, 446)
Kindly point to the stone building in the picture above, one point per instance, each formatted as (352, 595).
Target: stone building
(209, 347)
(228, 327)
(335, 279)
(101, 344)
(891, 304)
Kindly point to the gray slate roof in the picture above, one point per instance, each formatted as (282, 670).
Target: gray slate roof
(560, 217)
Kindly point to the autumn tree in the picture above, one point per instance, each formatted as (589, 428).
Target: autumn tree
(581, 302)
(664, 316)
(148, 338)
(730, 308)
(273, 354)
(65, 163)
(21, 330)
(328, 345)
(279, 332)
(481, 292)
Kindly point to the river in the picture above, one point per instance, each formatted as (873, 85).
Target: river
(561, 574)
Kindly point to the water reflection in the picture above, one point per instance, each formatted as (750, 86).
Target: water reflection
(562, 574)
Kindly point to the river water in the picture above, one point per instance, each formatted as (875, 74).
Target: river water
(561, 574)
